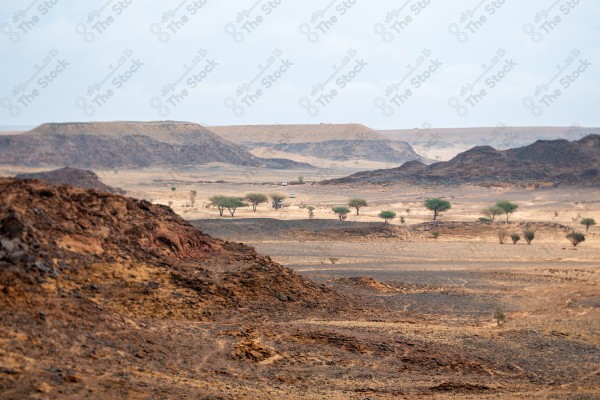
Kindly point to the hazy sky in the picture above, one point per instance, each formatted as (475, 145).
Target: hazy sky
(387, 64)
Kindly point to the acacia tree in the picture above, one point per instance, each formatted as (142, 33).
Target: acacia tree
(507, 207)
(588, 222)
(227, 202)
(342, 212)
(232, 204)
(437, 205)
(193, 195)
(216, 201)
(491, 212)
(387, 215)
(255, 199)
(357, 203)
(311, 212)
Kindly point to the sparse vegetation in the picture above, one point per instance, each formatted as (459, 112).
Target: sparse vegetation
(491, 212)
(435, 234)
(357, 203)
(402, 219)
(193, 195)
(277, 200)
(407, 211)
(342, 212)
(485, 220)
(300, 179)
(437, 205)
(575, 238)
(173, 188)
(502, 236)
(387, 215)
(515, 237)
(499, 315)
(507, 207)
(311, 211)
(529, 235)
(333, 260)
(255, 199)
(587, 222)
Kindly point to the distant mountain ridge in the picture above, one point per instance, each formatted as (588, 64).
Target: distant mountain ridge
(543, 162)
(336, 142)
(444, 143)
(127, 144)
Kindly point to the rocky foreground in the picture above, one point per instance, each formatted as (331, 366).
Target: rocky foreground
(104, 296)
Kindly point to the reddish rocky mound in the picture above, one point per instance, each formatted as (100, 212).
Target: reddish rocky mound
(72, 177)
(96, 286)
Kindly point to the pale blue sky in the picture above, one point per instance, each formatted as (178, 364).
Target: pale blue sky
(387, 64)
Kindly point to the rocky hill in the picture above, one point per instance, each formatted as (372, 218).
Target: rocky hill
(72, 177)
(337, 142)
(543, 162)
(105, 145)
(105, 296)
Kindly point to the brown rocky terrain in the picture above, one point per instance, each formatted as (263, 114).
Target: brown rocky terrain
(72, 177)
(107, 145)
(541, 163)
(336, 142)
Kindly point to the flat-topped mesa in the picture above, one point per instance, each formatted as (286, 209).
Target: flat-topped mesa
(107, 145)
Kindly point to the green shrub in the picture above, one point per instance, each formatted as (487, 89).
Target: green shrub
(515, 237)
(576, 238)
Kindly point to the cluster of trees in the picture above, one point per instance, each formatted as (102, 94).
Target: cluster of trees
(501, 207)
(437, 205)
(232, 203)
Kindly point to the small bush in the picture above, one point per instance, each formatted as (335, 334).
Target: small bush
(435, 234)
(576, 238)
(529, 236)
(515, 237)
(402, 220)
(502, 236)
(485, 220)
(311, 212)
(499, 315)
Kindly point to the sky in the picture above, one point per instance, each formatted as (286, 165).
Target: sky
(386, 64)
